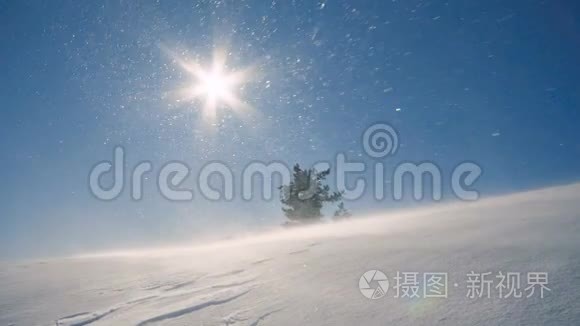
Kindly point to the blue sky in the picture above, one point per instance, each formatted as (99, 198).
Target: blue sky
(488, 81)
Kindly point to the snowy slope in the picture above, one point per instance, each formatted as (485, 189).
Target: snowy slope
(310, 276)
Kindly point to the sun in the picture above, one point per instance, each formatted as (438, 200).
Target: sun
(214, 87)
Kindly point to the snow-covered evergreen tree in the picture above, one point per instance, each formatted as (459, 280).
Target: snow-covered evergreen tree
(341, 212)
(304, 197)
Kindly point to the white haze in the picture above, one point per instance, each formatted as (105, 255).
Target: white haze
(309, 275)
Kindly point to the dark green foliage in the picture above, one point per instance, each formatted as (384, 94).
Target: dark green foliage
(306, 194)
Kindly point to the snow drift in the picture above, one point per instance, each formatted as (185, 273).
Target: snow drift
(310, 275)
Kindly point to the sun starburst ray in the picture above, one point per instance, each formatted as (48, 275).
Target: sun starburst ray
(214, 87)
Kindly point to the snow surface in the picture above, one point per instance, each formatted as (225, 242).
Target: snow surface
(310, 276)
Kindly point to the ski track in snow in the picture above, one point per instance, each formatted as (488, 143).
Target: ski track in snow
(190, 309)
(166, 292)
(263, 317)
(93, 317)
(297, 252)
(261, 261)
(234, 272)
(86, 318)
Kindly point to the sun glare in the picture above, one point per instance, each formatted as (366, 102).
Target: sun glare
(215, 87)
(214, 84)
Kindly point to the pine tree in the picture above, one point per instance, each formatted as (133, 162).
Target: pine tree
(304, 197)
(341, 213)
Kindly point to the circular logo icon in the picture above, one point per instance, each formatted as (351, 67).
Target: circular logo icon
(380, 140)
(373, 284)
